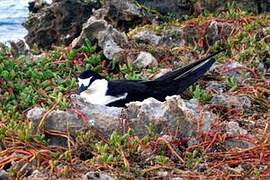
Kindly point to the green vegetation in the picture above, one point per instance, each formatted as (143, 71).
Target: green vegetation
(201, 94)
(48, 82)
(129, 72)
(232, 83)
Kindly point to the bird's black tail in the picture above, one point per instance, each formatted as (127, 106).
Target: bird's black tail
(189, 74)
(188, 69)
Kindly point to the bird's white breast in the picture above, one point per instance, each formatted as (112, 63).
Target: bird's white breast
(96, 93)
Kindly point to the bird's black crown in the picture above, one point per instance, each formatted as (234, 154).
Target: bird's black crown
(88, 73)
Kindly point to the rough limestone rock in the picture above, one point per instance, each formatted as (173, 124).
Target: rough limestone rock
(237, 143)
(232, 69)
(91, 30)
(189, 34)
(103, 118)
(171, 116)
(147, 37)
(239, 102)
(212, 33)
(165, 116)
(36, 174)
(63, 121)
(205, 116)
(126, 14)
(99, 30)
(35, 114)
(216, 87)
(96, 176)
(19, 47)
(145, 59)
(36, 5)
(173, 37)
(111, 42)
(58, 23)
(4, 175)
(233, 129)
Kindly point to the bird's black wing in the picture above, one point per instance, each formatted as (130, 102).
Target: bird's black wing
(136, 91)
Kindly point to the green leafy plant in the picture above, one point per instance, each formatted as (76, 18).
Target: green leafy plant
(193, 159)
(93, 62)
(201, 94)
(88, 47)
(232, 83)
(71, 54)
(130, 73)
(162, 160)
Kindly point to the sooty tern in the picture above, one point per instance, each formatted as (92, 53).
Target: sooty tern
(97, 90)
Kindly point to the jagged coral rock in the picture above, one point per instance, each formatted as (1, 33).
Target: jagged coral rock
(58, 23)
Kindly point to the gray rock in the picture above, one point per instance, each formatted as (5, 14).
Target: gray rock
(173, 37)
(126, 14)
(111, 41)
(206, 117)
(63, 121)
(36, 174)
(212, 33)
(57, 120)
(219, 100)
(19, 47)
(35, 115)
(162, 173)
(108, 38)
(233, 129)
(217, 87)
(36, 5)
(145, 59)
(91, 30)
(262, 70)
(168, 115)
(147, 38)
(104, 118)
(231, 69)
(233, 64)
(245, 101)
(240, 102)
(177, 178)
(111, 49)
(172, 115)
(96, 176)
(188, 34)
(236, 143)
(58, 23)
(4, 175)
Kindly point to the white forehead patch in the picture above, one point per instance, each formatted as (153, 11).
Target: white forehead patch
(85, 82)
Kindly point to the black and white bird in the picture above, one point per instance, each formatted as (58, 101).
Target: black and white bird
(98, 90)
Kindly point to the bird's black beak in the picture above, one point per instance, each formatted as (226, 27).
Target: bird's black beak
(81, 89)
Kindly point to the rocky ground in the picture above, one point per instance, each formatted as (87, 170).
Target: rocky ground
(217, 129)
